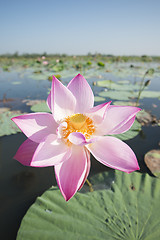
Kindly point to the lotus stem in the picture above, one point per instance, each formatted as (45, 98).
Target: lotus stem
(90, 185)
(142, 86)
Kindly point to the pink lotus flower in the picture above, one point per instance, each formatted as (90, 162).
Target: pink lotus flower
(65, 138)
(45, 62)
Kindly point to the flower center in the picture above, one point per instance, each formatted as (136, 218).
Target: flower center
(78, 123)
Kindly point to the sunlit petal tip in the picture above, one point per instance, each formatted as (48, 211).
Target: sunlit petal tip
(66, 196)
(118, 119)
(88, 168)
(98, 107)
(51, 93)
(62, 100)
(36, 126)
(137, 168)
(98, 112)
(71, 173)
(107, 103)
(54, 78)
(79, 75)
(13, 118)
(114, 153)
(59, 185)
(135, 110)
(82, 92)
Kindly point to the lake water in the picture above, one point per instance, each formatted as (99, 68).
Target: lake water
(20, 185)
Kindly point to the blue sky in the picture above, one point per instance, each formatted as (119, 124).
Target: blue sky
(119, 27)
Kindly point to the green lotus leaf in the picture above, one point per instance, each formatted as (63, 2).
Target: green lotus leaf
(58, 68)
(38, 77)
(40, 107)
(104, 83)
(127, 207)
(150, 94)
(118, 95)
(117, 86)
(144, 117)
(124, 103)
(7, 126)
(123, 81)
(152, 160)
(99, 99)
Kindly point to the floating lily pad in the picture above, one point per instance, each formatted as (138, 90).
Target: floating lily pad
(7, 127)
(40, 75)
(104, 83)
(4, 109)
(123, 81)
(37, 72)
(58, 68)
(40, 107)
(117, 86)
(6, 68)
(124, 103)
(118, 95)
(31, 102)
(152, 160)
(99, 99)
(127, 208)
(150, 94)
(146, 118)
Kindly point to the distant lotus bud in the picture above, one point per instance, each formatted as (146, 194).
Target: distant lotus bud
(147, 83)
